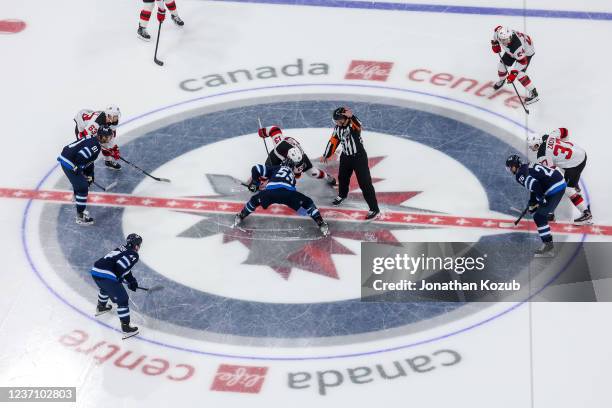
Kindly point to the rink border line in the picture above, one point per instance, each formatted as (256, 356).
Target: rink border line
(436, 8)
(279, 358)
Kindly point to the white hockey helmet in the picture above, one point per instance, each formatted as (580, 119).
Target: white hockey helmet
(294, 156)
(503, 34)
(113, 110)
(534, 142)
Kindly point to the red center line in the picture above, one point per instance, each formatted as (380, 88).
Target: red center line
(210, 205)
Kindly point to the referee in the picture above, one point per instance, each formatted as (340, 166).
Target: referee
(353, 158)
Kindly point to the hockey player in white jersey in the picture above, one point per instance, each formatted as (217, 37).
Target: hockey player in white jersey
(282, 144)
(555, 150)
(145, 15)
(89, 121)
(518, 51)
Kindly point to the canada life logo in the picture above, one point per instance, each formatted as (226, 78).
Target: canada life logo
(234, 378)
(369, 70)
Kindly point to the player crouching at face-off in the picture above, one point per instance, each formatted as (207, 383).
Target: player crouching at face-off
(547, 188)
(555, 150)
(282, 144)
(276, 185)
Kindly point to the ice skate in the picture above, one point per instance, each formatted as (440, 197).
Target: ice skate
(143, 34)
(499, 84)
(372, 214)
(324, 228)
(532, 98)
(237, 221)
(585, 219)
(128, 331)
(103, 308)
(112, 165)
(547, 250)
(337, 201)
(177, 20)
(83, 218)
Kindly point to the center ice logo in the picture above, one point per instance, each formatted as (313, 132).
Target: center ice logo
(213, 276)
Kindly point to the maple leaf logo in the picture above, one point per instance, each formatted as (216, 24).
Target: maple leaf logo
(283, 242)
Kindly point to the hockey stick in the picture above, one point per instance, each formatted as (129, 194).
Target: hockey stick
(158, 62)
(514, 86)
(264, 139)
(150, 175)
(515, 223)
(107, 188)
(151, 289)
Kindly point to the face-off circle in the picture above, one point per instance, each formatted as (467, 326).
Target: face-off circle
(189, 309)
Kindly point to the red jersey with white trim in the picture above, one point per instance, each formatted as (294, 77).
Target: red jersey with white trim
(558, 151)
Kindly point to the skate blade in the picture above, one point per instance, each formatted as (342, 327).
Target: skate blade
(128, 335)
(238, 227)
(545, 255)
(101, 313)
(85, 223)
(374, 218)
(143, 39)
(531, 102)
(579, 223)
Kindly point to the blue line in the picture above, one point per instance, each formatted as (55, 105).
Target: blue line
(24, 243)
(436, 8)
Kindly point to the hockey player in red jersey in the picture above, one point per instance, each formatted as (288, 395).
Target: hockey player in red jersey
(282, 144)
(555, 150)
(518, 52)
(145, 15)
(89, 121)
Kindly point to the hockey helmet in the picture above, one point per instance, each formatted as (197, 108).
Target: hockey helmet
(113, 111)
(534, 142)
(514, 160)
(104, 131)
(133, 240)
(503, 34)
(294, 157)
(339, 113)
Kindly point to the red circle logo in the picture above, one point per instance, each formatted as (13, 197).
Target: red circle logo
(11, 26)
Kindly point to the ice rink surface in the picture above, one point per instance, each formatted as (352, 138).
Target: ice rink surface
(270, 315)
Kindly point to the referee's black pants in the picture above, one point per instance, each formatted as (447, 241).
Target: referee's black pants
(357, 163)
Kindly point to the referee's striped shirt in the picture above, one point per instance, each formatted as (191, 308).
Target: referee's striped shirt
(348, 136)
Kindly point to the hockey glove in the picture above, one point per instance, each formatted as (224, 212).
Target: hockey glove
(133, 284)
(512, 76)
(252, 187)
(90, 180)
(114, 152)
(161, 15)
(495, 46)
(533, 207)
(263, 133)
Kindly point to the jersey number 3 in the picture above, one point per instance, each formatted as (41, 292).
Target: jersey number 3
(567, 151)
